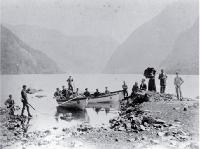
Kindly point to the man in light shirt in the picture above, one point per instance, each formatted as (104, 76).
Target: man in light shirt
(178, 81)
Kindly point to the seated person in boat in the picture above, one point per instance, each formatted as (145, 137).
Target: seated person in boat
(57, 93)
(77, 92)
(10, 103)
(86, 93)
(106, 90)
(97, 93)
(135, 90)
(70, 93)
(143, 86)
(64, 91)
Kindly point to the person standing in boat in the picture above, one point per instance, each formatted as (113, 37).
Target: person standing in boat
(106, 90)
(162, 77)
(70, 80)
(10, 103)
(125, 89)
(86, 93)
(143, 86)
(178, 81)
(25, 101)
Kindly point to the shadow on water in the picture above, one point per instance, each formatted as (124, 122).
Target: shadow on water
(25, 124)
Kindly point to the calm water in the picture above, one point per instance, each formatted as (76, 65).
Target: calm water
(47, 113)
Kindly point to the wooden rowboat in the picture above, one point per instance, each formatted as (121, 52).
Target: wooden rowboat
(82, 102)
(72, 103)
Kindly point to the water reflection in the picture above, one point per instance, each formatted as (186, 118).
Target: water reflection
(71, 114)
(94, 114)
(25, 124)
(104, 106)
(107, 110)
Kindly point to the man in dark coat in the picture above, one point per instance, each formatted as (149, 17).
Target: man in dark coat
(125, 89)
(86, 93)
(162, 77)
(97, 93)
(25, 101)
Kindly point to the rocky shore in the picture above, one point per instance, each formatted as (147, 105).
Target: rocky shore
(160, 122)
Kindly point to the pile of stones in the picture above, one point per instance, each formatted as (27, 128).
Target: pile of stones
(132, 119)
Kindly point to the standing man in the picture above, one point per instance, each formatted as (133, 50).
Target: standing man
(70, 80)
(25, 101)
(125, 89)
(178, 81)
(162, 77)
(10, 105)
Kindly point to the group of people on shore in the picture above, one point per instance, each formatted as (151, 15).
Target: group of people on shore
(178, 81)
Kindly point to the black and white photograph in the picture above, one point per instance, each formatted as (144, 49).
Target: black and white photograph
(99, 74)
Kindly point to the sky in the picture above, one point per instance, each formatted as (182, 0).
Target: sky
(113, 18)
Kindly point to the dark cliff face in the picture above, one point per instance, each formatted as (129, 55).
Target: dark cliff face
(18, 58)
(185, 55)
(152, 42)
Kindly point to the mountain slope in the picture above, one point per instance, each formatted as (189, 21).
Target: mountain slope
(75, 54)
(150, 44)
(185, 55)
(19, 58)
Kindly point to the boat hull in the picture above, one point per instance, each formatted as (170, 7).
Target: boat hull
(73, 103)
(105, 98)
(81, 102)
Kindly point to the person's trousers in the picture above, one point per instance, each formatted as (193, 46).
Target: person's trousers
(178, 92)
(125, 92)
(70, 87)
(162, 89)
(25, 105)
